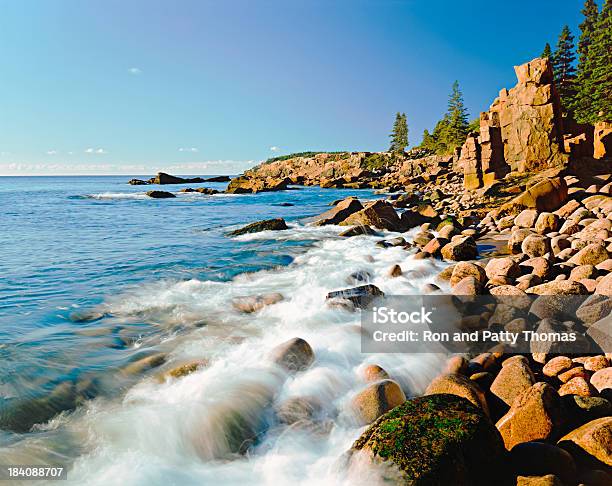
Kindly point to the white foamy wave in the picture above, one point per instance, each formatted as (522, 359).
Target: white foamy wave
(191, 430)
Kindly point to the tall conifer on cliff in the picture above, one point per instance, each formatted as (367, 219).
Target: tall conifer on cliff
(583, 106)
(399, 135)
(547, 52)
(565, 72)
(599, 63)
(457, 116)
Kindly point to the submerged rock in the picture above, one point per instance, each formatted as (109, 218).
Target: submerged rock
(293, 355)
(160, 194)
(358, 296)
(435, 440)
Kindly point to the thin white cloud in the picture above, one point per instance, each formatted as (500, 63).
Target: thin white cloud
(188, 149)
(208, 167)
(51, 152)
(135, 71)
(274, 148)
(92, 150)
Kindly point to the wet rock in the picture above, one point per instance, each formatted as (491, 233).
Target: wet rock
(377, 399)
(456, 365)
(339, 212)
(184, 369)
(601, 334)
(540, 459)
(372, 373)
(298, 410)
(360, 296)
(144, 364)
(512, 380)
(464, 248)
(293, 355)
(539, 266)
(160, 194)
(266, 225)
(535, 414)
(591, 443)
(461, 386)
(359, 277)
(395, 271)
(255, 303)
(591, 408)
(357, 231)
(437, 439)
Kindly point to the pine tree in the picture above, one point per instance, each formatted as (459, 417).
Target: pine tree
(547, 52)
(457, 116)
(582, 107)
(399, 135)
(600, 65)
(565, 72)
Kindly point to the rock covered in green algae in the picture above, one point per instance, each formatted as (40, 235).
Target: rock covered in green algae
(436, 440)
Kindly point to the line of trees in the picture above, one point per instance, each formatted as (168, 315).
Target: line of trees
(449, 133)
(586, 89)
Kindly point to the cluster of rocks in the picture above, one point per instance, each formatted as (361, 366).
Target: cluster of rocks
(162, 179)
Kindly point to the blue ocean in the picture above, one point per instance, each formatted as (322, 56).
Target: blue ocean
(95, 276)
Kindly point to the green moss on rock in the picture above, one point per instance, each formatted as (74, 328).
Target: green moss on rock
(437, 440)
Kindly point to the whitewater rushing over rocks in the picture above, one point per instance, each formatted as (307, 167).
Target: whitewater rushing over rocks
(199, 429)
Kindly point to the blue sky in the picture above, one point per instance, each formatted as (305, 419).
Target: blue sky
(210, 87)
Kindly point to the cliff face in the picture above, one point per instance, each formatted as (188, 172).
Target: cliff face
(521, 132)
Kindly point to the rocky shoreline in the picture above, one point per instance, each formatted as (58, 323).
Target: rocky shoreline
(527, 226)
(502, 416)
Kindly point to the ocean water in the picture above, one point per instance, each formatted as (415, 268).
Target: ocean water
(95, 276)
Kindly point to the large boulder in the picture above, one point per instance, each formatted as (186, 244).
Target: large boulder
(434, 440)
(592, 254)
(339, 212)
(359, 297)
(163, 178)
(246, 185)
(266, 225)
(513, 379)
(467, 269)
(379, 214)
(546, 195)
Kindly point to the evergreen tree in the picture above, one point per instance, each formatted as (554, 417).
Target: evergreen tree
(583, 102)
(399, 136)
(564, 70)
(599, 63)
(457, 116)
(547, 52)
